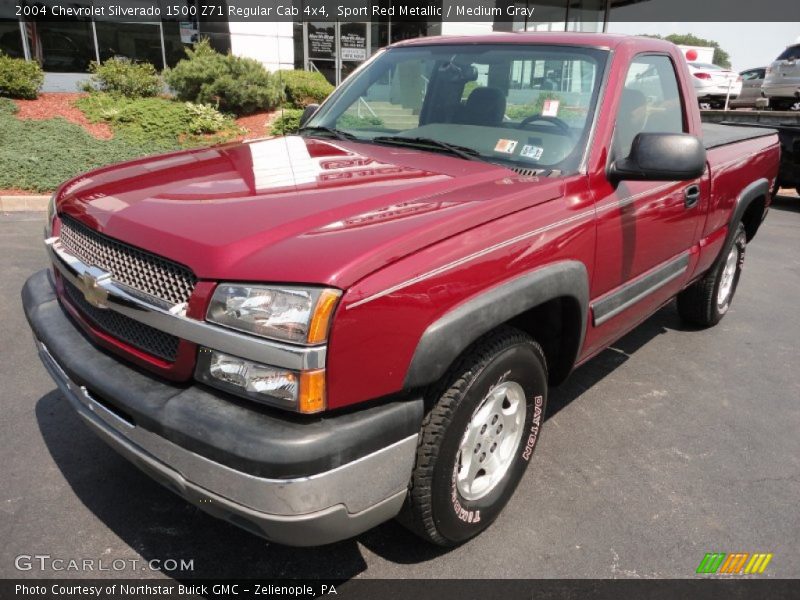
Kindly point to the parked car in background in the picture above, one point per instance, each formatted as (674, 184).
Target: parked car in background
(782, 81)
(713, 84)
(751, 88)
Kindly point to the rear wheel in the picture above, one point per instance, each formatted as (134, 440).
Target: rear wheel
(477, 439)
(705, 302)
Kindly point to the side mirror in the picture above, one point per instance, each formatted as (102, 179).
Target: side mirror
(308, 112)
(661, 157)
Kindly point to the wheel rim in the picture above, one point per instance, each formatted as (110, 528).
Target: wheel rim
(490, 441)
(728, 277)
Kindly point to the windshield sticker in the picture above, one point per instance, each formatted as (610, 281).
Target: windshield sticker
(532, 152)
(550, 108)
(505, 146)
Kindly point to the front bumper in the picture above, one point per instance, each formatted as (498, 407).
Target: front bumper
(294, 480)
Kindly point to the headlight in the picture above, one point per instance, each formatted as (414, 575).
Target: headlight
(292, 314)
(299, 391)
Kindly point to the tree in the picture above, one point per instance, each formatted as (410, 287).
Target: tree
(721, 57)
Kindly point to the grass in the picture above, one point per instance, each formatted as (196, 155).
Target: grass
(158, 123)
(40, 155)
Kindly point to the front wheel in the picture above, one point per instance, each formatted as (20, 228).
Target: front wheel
(478, 438)
(706, 301)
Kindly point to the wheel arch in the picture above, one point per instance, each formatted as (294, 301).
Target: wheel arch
(551, 303)
(750, 209)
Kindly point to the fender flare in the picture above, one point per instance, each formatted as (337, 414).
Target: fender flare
(447, 337)
(757, 189)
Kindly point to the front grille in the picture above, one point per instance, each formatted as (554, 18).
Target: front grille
(141, 336)
(141, 271)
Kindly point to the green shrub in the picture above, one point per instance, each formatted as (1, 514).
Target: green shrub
(351, 121)
(204, 118)
(158, 123)
(235, 84)
(287, 122)
(20, 78)
(124, 77)
(520, 111)
(304, 87)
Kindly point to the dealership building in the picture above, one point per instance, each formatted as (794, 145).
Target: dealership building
(66, 48)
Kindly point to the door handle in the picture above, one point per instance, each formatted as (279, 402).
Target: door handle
(691, 196)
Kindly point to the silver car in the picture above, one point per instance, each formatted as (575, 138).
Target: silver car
(782, 81)
(751, 88)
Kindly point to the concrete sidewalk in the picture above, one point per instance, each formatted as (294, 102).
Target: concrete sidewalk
(33, 203)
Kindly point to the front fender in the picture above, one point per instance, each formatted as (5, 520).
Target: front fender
(446, 338)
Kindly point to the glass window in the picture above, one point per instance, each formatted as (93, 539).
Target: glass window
(177, 36)
(586, 15)
(62, 47)
(753, 75)
(651, 102)
(11, 38)
(140, 42)
(528, 105)
(791, 53)
(548, 15)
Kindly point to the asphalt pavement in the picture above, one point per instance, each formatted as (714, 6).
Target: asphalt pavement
(671, 444)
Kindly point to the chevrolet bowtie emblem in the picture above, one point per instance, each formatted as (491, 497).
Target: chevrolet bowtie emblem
(91, 282)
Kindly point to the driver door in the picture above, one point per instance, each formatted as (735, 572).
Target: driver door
(645, 229)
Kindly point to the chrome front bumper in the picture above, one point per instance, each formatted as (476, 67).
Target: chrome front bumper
(307, 511)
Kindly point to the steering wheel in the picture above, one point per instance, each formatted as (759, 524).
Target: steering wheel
(560, 125)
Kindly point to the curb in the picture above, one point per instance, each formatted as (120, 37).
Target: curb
(23, 203)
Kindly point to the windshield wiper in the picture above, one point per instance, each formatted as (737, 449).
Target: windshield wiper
(423, 142)
(337, 133)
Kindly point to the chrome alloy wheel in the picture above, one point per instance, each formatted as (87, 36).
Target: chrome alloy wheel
(490, 440)
(728, 277)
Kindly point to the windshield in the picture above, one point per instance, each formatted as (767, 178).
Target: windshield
(523, 105)
(791, 53)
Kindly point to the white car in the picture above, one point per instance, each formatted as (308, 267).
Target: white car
(714, 84)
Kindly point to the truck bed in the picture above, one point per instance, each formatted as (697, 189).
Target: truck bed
(715, 135)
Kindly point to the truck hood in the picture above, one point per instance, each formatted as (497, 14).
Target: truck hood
(296, 209)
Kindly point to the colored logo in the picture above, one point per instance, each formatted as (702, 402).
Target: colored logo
(739, 563)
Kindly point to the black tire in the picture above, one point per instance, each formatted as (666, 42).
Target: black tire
(797, 189)
(436, 509)
(700, 304)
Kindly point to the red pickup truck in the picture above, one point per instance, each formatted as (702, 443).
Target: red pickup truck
(310, 335)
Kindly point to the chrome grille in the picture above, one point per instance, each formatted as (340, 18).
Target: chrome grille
(141, 336)
(136, 269)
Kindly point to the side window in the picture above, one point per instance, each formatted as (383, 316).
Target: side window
(651, 102)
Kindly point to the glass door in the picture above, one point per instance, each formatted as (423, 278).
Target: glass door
(320, 49)
(335, 49)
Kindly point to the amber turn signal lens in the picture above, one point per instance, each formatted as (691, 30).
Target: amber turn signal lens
(312, 392)
(320, 322)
